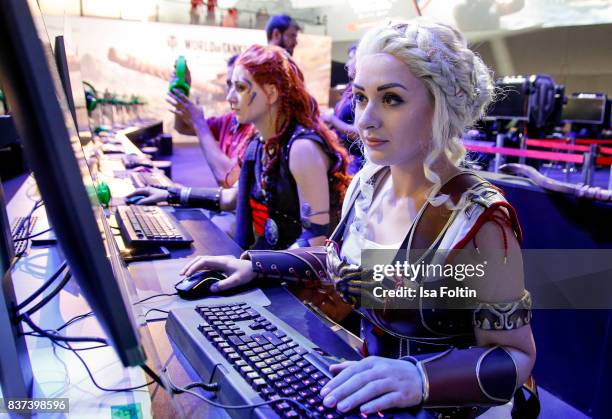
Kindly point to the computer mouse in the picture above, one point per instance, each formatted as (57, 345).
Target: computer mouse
(134, 199)
(198, 285)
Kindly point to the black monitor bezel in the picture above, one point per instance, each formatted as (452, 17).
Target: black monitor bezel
(50, 143)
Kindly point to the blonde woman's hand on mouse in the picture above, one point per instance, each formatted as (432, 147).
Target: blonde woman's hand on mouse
(238, 271)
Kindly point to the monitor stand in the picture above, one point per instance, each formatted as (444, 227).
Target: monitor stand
(16, 379)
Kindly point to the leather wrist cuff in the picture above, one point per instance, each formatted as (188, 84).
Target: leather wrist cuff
(207, 198)
(302, 264)
(476, 376)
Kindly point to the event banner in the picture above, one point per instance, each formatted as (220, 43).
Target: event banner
(137, 58)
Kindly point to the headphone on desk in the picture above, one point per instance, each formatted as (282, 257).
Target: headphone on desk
(91, 96)
(179, 83)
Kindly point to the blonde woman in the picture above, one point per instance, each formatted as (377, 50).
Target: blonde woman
(416, 88)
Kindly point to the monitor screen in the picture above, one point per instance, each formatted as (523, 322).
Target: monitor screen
(53, 149)
(584, 110)
(511, 103)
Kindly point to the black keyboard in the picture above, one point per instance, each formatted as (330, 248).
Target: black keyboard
(21, 228)
(148, 225)
(256, 357)
(154, 179)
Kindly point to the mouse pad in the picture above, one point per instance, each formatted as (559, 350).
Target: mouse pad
(159, 277)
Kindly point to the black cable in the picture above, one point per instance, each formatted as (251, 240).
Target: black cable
(74, 320)
(26, 318)
(49, 296)
(178, 390)
(87, 348)
(32, 235)
(155, 296)
(43, 287)
(152, 374)
(156, 309)
(115, 390)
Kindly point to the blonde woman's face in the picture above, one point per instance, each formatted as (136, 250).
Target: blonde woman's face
(393, 111)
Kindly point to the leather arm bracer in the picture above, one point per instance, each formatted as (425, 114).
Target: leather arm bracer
(478, 376)
(301, 264)
(207, 198)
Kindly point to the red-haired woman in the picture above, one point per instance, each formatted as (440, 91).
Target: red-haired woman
(293, 174)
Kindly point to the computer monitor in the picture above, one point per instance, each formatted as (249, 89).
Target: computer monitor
(54, 152)
(512, 101)
(584, 109)
(62, 69)
(69, 70)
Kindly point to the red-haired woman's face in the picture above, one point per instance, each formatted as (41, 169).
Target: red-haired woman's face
(393, 111)
(246, 98)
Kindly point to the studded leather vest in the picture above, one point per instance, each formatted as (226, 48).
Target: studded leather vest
(281, 200)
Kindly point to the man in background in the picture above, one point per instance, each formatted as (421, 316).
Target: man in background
(282, 31)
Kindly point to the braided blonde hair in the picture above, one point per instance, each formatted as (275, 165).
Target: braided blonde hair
(459, 82)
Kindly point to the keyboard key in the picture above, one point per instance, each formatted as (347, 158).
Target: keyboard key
(246, 369)
(279, 333)
(297, 386)
(252, 312)
(287, 391)
(282, 406)
(290, 379)
(259, 383)
(316, 375)
(280, 384)
(291, 414)
(309, 369)
(305, 393)
(253, 375)
(266, 392)
(260, 365)
(300, 350)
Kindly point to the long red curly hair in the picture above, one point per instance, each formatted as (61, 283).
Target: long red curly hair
(274, 66)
